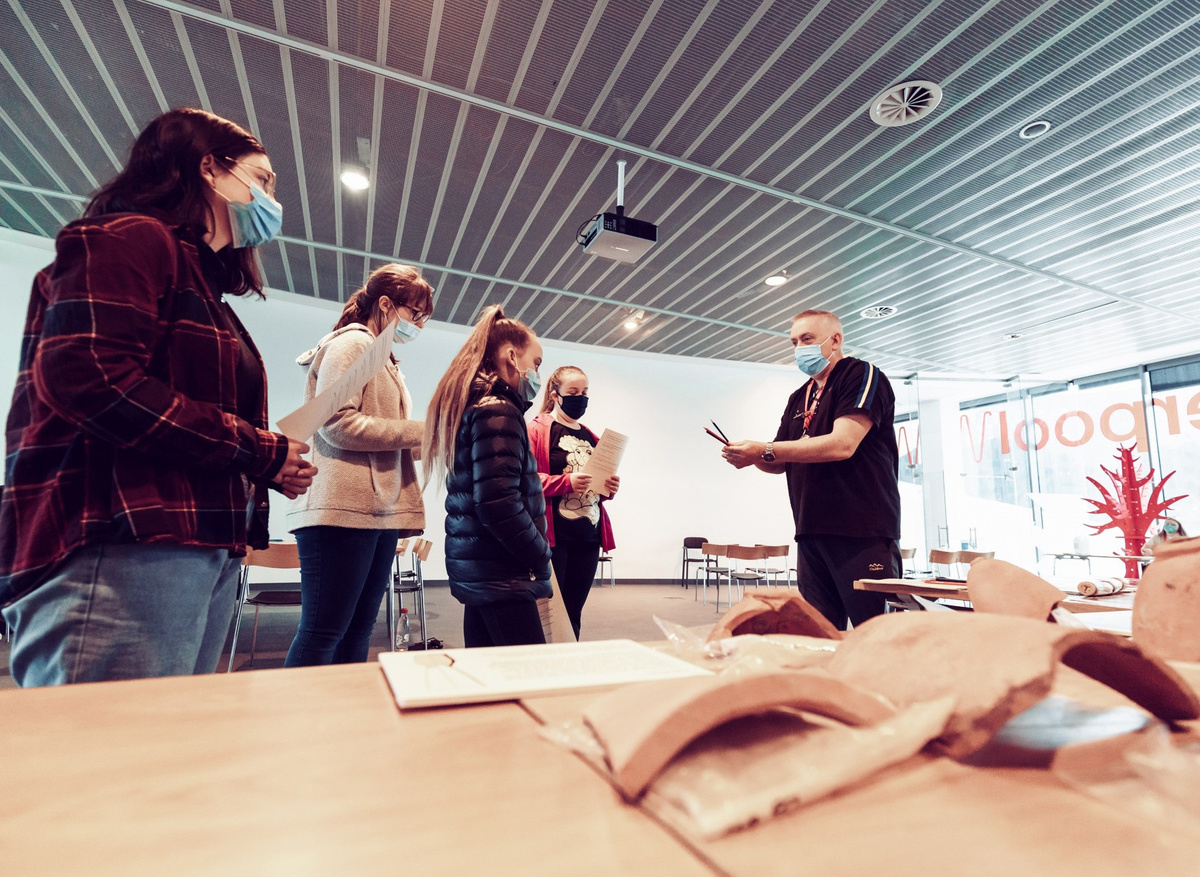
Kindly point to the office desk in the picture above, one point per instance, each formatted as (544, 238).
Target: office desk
(315, 771)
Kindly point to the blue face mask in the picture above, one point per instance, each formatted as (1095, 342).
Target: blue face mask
(257, 222)
(531, 384)
(810, 360)
(405, 332)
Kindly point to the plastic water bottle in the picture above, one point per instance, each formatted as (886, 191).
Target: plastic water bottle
(403, 635)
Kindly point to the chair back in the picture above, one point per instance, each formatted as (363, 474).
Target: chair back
(908, 553)
(969, 557)
(691, 542)
(277, 555)
(747, 552)
(711, 549)
(945, 558)
(421, 549)
(776, 551)
(402, 546)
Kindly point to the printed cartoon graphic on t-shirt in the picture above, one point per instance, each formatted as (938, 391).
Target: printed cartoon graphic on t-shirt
(578, 505)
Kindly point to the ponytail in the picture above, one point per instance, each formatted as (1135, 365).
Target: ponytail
(477, 358)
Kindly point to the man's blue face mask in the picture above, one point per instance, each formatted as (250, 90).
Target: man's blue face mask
(809, 358)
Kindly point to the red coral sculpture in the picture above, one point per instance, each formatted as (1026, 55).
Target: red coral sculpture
(1124, 506)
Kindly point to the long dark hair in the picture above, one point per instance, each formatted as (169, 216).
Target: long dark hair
(479, 357)
(403, 284)
(163, 177)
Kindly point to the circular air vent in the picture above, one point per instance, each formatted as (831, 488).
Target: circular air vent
(905, 103)
(878, 312)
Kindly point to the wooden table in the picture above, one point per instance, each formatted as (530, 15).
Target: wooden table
(958, 591)
(315, 771)
(310, 771)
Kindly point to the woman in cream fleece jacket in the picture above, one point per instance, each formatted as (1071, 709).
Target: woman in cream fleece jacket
(366, 494)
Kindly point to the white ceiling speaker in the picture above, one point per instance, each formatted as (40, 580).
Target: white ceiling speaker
(878, 312)
(905, 103)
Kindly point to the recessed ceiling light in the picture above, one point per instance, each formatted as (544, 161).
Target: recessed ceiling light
(356, 180)
(878, 312)
(1012, 336)
(1034, 129)
(776, 279)
(905, 103)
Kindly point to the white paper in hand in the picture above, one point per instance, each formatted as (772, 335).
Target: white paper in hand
(605, 459)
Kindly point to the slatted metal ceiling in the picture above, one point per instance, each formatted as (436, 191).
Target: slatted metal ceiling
(491, 130)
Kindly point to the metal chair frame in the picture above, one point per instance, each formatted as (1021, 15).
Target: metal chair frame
(690, 543)
(277, 555)
(612, 574)
(408, 581)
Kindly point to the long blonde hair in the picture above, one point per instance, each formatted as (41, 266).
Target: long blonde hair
(554, 384)
(477, 358)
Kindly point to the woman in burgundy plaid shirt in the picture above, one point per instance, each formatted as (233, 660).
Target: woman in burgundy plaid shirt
(138, 457)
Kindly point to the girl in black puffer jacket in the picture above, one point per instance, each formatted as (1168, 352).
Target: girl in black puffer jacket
(497, 555)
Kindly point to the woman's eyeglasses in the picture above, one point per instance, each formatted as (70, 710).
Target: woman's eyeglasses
(263, 177)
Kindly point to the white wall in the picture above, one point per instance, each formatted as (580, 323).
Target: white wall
(673, 480)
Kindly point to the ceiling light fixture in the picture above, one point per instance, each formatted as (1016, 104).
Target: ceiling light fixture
(634, 319)
(777, 279)
(1034, 129)
(905, 103)
(1012, 336)
(878, 312)
(355, 179)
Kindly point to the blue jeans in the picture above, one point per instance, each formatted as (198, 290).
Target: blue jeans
(343, 574)
(125, 611)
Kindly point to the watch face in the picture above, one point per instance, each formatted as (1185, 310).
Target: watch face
(768, 457)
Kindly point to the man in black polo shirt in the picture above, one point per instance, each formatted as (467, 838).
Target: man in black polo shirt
(836, 445)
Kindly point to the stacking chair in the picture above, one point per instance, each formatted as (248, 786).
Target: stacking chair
(408, 581)
(907, 554)
(943, 562)
(690, 544)
(612, 575)
(710, 568)
(736, 554)
(773, 572)
(277, 555)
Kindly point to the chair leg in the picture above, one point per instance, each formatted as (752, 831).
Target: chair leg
(390, 596)
(421, 602)
(254, 638)
(243, 587)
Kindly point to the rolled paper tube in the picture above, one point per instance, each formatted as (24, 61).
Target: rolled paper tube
(1101, 587)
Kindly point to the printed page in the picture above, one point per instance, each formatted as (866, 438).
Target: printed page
(312, 415)
(455, 676)
(605, 459)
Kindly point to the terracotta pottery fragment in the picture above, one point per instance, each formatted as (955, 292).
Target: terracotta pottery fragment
(776, 610)
(642, 727)
(996, 666)
(997, 586)
(1166, 610)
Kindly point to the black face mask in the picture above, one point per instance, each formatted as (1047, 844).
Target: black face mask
(573, 406)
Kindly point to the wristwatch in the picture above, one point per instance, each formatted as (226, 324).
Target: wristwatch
(768, 456)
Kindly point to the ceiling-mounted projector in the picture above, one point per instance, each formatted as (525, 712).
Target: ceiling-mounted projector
(615, 235)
